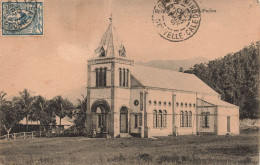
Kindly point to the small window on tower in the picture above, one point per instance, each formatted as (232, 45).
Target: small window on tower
(102, 52)
(122, 52)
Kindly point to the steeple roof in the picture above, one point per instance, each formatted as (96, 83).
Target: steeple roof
(110, 45)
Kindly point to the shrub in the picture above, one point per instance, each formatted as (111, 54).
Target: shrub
(145, 157)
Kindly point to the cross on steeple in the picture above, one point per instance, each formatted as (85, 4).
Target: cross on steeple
(111, 45)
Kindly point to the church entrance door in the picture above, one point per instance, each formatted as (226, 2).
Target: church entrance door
(123, 120)
(101, 120)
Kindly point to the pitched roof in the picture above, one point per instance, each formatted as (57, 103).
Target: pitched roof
(110, 43)
(161, 78)
(218, 102)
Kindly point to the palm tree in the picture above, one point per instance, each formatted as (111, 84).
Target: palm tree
(62, 107)
(2, 98)
(40, 106)
(26, 103)
(2, 101)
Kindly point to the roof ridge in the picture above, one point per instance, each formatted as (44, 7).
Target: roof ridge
(163, 78)
(164, 69)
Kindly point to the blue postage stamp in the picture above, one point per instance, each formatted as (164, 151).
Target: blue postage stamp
(22, 18)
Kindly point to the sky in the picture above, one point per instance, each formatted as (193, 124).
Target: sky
(56, 62)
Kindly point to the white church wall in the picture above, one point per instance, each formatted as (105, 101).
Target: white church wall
(135, 95)
(136, 109)
(101, 93)
(223, 113)
(122, 98)
(159, 100)
(185, 101)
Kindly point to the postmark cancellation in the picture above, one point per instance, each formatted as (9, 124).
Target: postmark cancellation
(22, 18)
(176, 20)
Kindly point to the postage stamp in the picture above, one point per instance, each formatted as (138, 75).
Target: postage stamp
(176, 20)
(22, 18)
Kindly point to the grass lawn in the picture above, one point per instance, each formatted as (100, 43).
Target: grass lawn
(240, 149)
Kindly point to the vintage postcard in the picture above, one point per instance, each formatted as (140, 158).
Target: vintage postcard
(129, 82)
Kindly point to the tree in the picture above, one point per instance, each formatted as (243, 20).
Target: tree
(62, 107)
(2, 101)
(80, 113)
(47, 115)
(39, 108)
(39, 105)
(181, 69)
(2, 97)
(26, 102)
(10, 115)
(236, 78)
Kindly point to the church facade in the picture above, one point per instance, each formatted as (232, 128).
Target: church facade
(124, 99)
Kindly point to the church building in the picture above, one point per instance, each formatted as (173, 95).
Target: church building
(124, 99)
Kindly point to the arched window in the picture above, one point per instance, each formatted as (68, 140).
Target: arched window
(181, 104)
(164, 118)
(165, 103)
(202, 119)
(207, 119)
(160, 118)
(102, 52)
(100, 77)
(160, 103)
(177, 104)
(120, 77)
(154, 102)
(181, 119)
(154, 118)
(97, 77)
(185, 104)
(186, 119)
(127, 77)
(190, 119)
(123, 77)
(122, 52)
(105, 77)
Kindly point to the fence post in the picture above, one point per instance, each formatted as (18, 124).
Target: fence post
(14, 136)
(32, 134)
(23, 135)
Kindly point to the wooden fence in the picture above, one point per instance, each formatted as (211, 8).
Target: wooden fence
(37, 134)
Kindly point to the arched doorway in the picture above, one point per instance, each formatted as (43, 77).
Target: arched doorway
(101, 109)
(123, 120)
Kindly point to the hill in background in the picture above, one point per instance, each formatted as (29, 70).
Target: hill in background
(174, 64)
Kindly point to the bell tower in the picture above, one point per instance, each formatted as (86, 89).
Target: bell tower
(108, 86)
